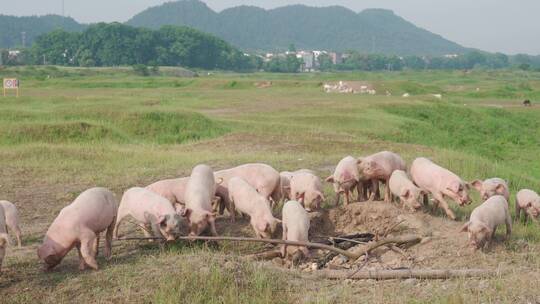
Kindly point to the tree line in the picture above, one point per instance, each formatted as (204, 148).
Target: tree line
(115, 44)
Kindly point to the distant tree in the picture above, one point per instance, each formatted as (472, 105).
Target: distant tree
(141, 70)
(325, 62)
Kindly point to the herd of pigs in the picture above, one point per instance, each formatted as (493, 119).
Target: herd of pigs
(254, 190)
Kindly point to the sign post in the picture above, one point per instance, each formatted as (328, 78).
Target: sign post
(11, 84)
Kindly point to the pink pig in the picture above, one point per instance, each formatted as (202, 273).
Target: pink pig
(79, 225)
(491, 187)
(485, 219)
(307, 189)
(285, 180)
(265, 179)
(295, 228)
(12, 219)
(528, 201)
(248, 201)
(345, 178)
(200, 192)
(171, 189)
(402, 187)
(154, 212)
(440, 182)
(379, 167)
(4, 238)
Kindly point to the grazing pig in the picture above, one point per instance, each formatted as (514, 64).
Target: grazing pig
(295, 228)
(12, 219)
(440, 182)
(491, 187)
(485, 219)
(171, 189)
(200, 192)
(307, 189)
(4, 238)
(285, 182)
(402, 187)
(345, 178)
(265, 179)
(248, 201)
(79, 225)
(379, 167)
(154, 212)
(529, 201)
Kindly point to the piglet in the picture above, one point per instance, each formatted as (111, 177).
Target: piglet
(262, 177)
(248, 201)
(12, 219)
(79, 225)
(491, 187)
(171, 189)
(285, 180)
(345, 178)
(440, 182)
(401, 186)
(200, 192)
(154, 212)
(4, 238)
(307, 189)
(485, 219)
(295, 228)
(528, 201)
(379, 167)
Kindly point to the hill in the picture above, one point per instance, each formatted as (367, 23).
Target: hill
(333, 28)
(33, 26)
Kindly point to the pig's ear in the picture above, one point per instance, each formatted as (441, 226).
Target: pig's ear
(161, 219)
(405, 193)
(320, 195)
(500, 189)
(465, 227)
(453, 187)
(261, 226)
(330, 179)
(477, 184)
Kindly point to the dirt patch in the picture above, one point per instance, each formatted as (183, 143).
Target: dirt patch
(263, 84)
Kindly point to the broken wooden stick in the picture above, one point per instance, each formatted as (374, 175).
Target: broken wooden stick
(401, 274)
(254, 240)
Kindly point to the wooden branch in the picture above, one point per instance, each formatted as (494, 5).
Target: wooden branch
(397, 241)
(428, 274)
(254, 240)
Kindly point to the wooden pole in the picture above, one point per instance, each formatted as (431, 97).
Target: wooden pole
(402, 274)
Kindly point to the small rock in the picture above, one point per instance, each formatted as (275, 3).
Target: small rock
(411, 281)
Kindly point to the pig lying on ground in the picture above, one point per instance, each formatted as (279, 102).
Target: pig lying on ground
(4, 238)
(485, 219)
(200, 192)
(154, 212)
(306, 188)
(265, 179)
(345, 178)
(171, 189)
(402, 187)
(491, 187)
(528, 201)
(248, 201)
(12, 219)
(295, 228)
(440, 182)
(379, 167)
(79, 225)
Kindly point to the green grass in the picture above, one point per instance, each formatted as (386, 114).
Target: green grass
(76, 128)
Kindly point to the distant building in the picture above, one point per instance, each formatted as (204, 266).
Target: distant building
(337, 58)
(451, 56)
(308, 59)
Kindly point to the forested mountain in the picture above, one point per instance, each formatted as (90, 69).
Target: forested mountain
(11, 28)
(330, 28)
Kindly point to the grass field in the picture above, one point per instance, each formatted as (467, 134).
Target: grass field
(77, 128)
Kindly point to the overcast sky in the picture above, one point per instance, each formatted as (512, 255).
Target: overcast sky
(509, 26)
